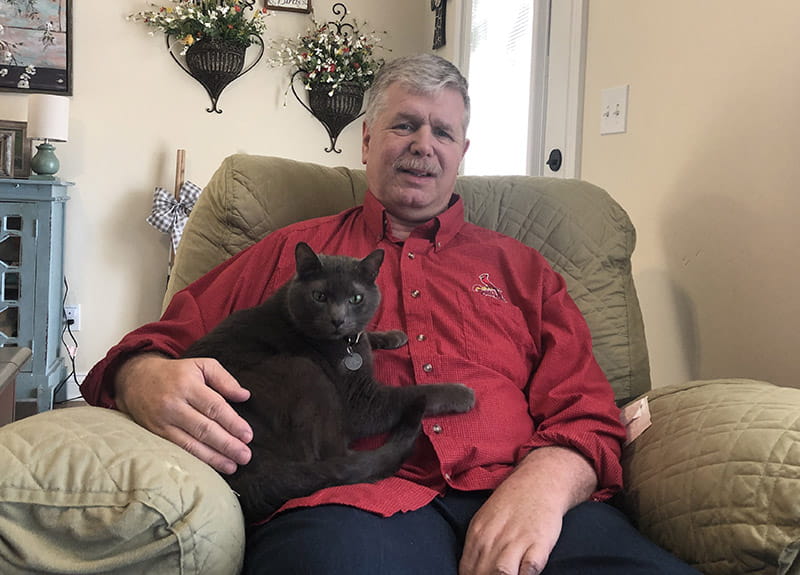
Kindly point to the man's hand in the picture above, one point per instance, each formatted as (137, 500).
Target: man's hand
(186, 402)
(514, 532)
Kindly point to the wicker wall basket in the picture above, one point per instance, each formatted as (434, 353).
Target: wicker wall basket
(215, 64)
(334, 112)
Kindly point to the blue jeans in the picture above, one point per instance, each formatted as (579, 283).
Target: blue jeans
(337, 540)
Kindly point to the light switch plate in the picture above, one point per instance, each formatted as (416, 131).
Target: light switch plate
(614, 110)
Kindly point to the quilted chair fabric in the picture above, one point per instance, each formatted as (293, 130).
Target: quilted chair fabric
(86, 490)
(578, 227)
(716, 480)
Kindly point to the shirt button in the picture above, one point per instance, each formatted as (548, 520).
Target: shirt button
(415, 293)
(411, 255)
(427, 368)
(447, 477)
(437, 428)
(421, 337)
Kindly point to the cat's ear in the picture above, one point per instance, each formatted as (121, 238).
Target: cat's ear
(306, 260)
(371, 265)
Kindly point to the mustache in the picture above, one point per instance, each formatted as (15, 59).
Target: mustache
(418, 165)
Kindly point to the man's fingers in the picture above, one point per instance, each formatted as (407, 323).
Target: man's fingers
(214, 405)
(200, 450)
(218, 379)
(217, 425)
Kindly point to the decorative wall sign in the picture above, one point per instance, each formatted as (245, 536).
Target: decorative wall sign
(440, 9)
(21, 147)
(303, 6)
(36, 46)
(7, 153)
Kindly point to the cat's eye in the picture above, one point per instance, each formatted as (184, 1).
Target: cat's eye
(319, 296)
(356, 299)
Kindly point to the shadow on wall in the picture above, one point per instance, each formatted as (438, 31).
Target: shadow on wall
(735, 265)
(671, 328)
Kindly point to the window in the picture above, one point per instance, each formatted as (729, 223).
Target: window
(517, 53)
(499, 72)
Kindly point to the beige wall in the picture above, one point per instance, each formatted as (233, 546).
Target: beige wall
(132, 108)
(709, 173)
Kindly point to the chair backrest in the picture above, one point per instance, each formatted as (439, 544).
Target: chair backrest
(578, 227)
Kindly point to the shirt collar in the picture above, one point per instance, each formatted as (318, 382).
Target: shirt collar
(440, 230)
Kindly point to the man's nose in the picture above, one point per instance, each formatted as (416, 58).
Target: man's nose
(422, 142)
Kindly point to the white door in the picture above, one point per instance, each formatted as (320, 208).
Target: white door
(524, 60)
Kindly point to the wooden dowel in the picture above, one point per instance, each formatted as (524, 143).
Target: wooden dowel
(180, 169)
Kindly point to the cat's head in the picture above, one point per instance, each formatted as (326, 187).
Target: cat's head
(333, 297)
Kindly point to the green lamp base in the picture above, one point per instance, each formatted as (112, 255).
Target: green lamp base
(44, 163)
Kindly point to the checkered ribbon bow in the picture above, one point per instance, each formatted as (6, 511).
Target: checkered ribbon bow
(169, 214)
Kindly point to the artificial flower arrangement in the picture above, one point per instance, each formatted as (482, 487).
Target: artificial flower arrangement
(192, 20)
(330, 54)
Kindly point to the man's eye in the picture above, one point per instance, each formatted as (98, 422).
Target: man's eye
(443, 134)
(319, 296)
(356, 299)
(404, 127)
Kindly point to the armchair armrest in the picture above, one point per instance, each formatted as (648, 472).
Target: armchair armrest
(715, 478)
(87, 490)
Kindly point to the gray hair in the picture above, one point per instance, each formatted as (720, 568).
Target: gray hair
(421, 74)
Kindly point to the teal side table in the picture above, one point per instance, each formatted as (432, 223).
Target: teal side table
(32, 285)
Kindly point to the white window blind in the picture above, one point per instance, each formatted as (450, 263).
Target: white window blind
(499, 72)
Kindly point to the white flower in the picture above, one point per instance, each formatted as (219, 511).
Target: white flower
(3, 72)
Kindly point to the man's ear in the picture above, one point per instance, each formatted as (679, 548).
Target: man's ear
(364, 142)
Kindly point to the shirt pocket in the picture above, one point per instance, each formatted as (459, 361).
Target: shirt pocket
(496, 336)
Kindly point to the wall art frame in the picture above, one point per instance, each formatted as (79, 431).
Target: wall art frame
(7, 153)
(37, 41)
(21, 146)
(302, 6)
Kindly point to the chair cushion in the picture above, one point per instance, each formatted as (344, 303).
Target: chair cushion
(716, 477)
(86, 490)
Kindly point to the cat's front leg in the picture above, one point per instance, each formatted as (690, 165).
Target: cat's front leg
(447, 398)
(387, 339)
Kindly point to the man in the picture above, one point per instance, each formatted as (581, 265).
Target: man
(514, 486)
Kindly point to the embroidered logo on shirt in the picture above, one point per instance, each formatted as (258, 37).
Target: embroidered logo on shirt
(487, 288)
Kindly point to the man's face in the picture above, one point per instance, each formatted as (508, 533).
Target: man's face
(412, 151)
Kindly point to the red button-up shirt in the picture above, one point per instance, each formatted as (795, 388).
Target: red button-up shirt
(479, 308)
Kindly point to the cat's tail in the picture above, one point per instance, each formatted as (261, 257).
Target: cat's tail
(264, 485)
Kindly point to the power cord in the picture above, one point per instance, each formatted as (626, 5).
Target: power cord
(72, 350)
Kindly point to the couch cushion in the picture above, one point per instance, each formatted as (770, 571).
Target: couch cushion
(86, 490)
(716, 478)
(578, 227)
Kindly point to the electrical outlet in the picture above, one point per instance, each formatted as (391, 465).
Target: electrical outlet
(73, 312)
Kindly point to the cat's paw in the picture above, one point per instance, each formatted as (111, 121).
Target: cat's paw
(387, 339)
(449, 398)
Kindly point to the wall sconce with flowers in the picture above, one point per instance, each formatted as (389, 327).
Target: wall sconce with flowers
(336, 63)
(213, 36)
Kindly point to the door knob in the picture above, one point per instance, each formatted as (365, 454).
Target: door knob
(555, 159)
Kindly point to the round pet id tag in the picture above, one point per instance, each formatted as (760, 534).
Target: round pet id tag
(353, 362)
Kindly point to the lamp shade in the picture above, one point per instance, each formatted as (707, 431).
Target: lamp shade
(48, 117)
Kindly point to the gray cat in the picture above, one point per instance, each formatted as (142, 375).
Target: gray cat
(307, 361)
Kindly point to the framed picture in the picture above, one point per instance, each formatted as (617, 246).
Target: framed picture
(303, 6)
(7, 153)
(20, 149)
(36, 46)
